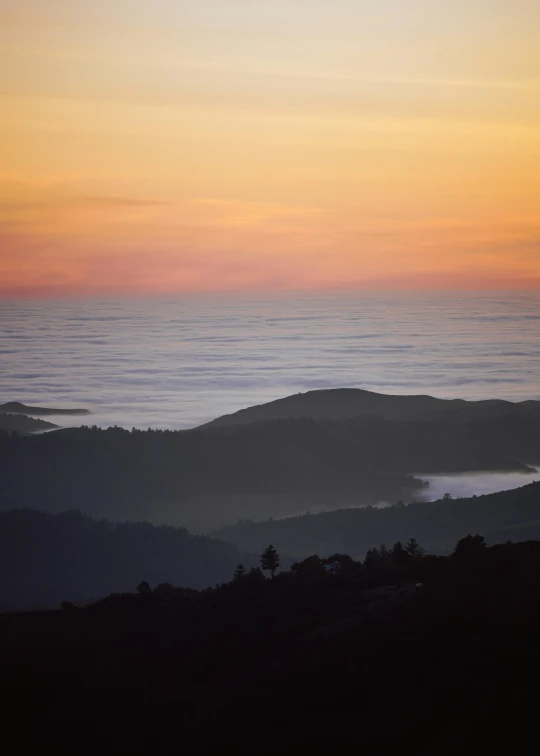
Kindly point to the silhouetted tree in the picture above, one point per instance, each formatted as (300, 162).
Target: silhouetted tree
(254, 577)
(239, 573)
(164, 590)
(144, 588)
(414, 549)
(447, 497)
(398, 555)
(372, 559)
(343, 565)
(471, 544)
(270, 560)
(312, 567)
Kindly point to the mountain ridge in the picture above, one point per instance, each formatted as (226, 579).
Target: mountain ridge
(18, 408)
(512, 515)
(348, 403)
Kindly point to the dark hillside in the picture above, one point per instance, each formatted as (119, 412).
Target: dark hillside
(312, 660)
(343, 404)
(23, 424)
(45, 559)
(18, 408)
(204, 479)
(508, 515)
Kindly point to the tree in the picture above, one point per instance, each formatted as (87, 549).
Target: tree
(343, 565)
(144, 588)
(372, 559)
(239, 573)
(447, 497)
(414, 549)
(254, 577)
(312, 567)
(471, 544)
(398, 555)
(270, 560)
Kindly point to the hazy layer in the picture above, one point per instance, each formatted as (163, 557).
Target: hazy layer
(176, 364)
(464, 485)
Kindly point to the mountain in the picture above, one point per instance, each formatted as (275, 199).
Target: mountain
(343, 404)
(207, 478)
(505, 516)
(23, 424)
(17, 408)
(45, 559)
(200, 480)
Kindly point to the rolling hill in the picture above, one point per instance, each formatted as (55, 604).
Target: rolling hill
(500, 517)
(344, 404)
(17, 408)
(13, 423)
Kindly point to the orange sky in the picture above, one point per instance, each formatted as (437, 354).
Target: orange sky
(217, 145)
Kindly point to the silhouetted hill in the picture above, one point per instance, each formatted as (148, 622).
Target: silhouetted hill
(343, 404)
(17, 408)
(315, 660)
(23, 424)
(45, 559)
(505, 516)
(204, 479)
(198, 479)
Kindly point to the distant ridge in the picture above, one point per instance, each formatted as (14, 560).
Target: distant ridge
(17, 423)
(17, 408)
(512, 515)
(348, 403)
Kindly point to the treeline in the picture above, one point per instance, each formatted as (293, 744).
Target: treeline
(400, 564)
(327, 655)
(45, 559)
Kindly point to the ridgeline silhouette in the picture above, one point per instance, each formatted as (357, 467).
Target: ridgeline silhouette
(332, 655)
(208, 478)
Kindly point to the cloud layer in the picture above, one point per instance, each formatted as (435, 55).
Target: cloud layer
(178, 363)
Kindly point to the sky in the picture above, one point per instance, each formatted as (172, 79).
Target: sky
(162, 146)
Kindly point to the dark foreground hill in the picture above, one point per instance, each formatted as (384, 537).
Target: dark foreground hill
(344, 404)
(45, 559)
(314, 661)
(505, 516)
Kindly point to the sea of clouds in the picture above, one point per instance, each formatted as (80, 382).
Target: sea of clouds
(180, 362)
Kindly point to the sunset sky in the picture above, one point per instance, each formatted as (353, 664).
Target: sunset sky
(160, 146)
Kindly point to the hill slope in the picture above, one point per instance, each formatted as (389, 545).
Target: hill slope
(205, 479)
(195, 479)
(23, 424)
(308, 662)
(341, 404)
(45, 559)
(508, 515)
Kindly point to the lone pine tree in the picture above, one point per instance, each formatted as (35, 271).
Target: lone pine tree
(239, 572)
(270, 560)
